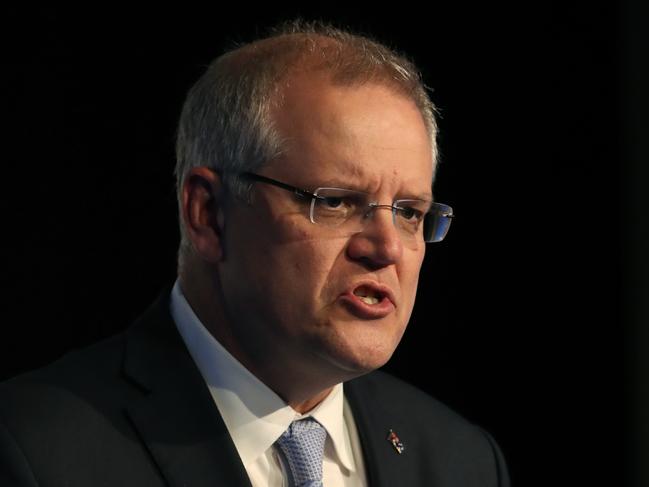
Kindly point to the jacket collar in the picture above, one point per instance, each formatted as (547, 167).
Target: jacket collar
(175, 415)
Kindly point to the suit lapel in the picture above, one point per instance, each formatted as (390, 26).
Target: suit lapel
(176, 416)
(384, 466)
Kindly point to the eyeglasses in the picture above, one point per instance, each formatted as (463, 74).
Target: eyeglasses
(348, 211)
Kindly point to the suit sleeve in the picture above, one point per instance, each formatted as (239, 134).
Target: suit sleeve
(501, 466)
(14, 468)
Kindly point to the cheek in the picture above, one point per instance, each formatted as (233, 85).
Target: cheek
(314, 262)
(304, 271)
(320, 276)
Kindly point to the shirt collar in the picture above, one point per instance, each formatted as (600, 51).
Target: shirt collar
(254, 415)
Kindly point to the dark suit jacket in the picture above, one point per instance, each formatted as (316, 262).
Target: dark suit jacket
(134, 411)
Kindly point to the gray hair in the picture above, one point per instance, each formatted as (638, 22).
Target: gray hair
(226, 121)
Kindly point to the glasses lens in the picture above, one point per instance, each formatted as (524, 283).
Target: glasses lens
(437, 222)
(336, 207)
(346, 210)
(409, 216)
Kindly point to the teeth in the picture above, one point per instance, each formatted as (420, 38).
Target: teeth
(368, 299)
(367, 295)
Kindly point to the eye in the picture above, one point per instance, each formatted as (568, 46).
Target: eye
(410, 213)
(332, 202)
(346, 202)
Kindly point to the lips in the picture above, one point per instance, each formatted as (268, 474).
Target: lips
(368, 297)
(369, 300)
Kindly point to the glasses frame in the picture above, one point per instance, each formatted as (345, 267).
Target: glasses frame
(303, 193)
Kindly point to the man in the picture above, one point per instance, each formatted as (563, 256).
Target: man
(305, 164)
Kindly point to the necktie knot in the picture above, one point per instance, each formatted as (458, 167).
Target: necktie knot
(301, 448)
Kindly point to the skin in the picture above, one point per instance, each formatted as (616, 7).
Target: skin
(267, 282)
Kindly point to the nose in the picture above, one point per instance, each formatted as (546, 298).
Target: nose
(379, 244)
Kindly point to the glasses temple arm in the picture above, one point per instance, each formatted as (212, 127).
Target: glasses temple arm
(263, 179)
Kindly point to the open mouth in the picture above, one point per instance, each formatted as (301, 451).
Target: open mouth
(369, 300)
(368, 295)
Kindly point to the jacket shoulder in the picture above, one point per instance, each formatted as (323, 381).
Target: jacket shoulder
(403, 398)
(81, 384)
(67, 422)
(448, 447)
(91, 364)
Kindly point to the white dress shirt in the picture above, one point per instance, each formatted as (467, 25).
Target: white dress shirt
(256, 417)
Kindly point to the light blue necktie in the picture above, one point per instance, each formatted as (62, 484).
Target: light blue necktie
(301, 448)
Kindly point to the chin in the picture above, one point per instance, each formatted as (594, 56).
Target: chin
(355, 347)
(359, 360)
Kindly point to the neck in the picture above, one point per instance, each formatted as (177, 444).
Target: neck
(306, 406)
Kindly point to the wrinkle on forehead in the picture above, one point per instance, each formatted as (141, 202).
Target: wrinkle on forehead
(366, 138)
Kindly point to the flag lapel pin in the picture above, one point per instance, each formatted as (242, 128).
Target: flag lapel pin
(396, 442)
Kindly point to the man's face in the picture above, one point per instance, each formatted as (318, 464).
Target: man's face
(290, 285)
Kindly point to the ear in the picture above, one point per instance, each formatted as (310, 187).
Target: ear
(202, 212)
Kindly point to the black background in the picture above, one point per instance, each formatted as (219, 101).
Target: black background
(528, 315)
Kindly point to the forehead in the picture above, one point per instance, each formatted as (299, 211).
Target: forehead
(360, 134)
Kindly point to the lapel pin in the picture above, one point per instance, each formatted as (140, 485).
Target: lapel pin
(396, 442)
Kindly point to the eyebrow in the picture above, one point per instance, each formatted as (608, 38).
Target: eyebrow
(350, 171)
(421, 196)
(335, 183)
